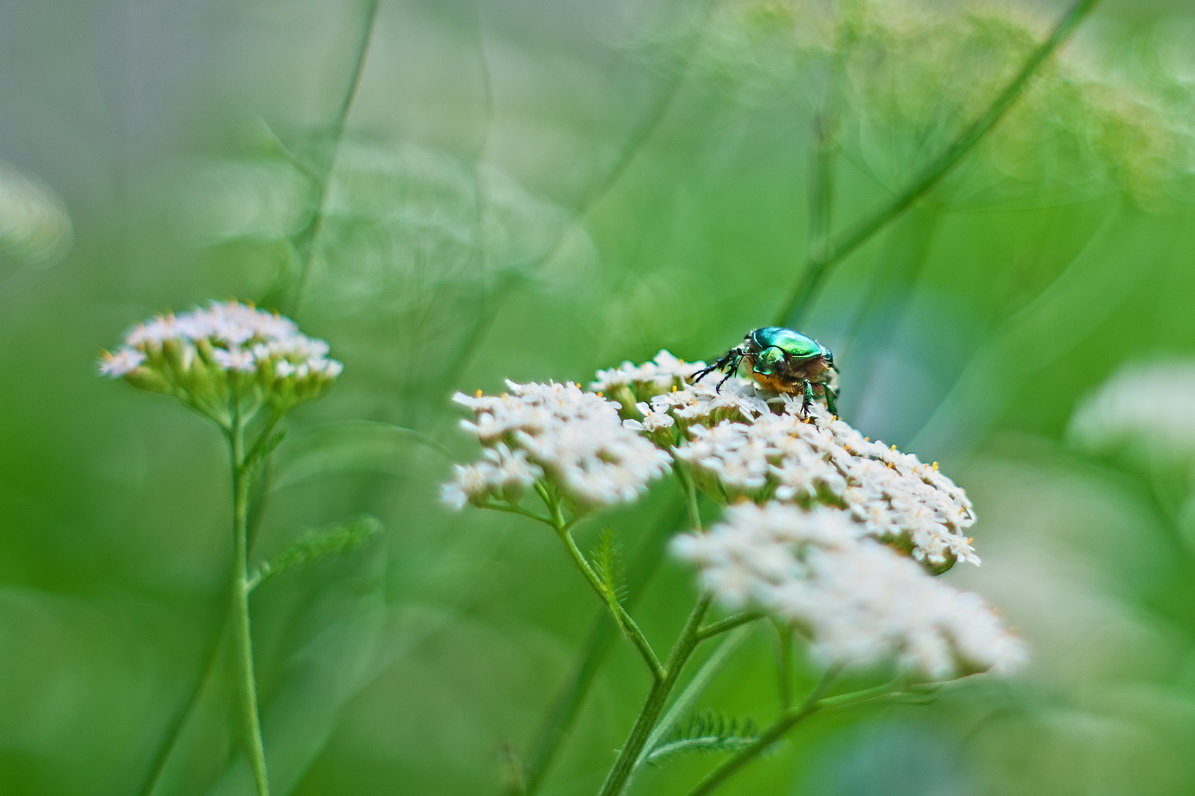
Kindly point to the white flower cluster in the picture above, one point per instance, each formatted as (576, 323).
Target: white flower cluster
(224, 355)
(558, 432)
(899, 499)
(1144, 408)
(860, 602)
(741, 441)
(630, 383)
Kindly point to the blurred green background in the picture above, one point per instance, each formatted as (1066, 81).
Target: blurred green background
(530, 191)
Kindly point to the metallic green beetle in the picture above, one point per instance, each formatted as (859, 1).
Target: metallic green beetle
(784, 361)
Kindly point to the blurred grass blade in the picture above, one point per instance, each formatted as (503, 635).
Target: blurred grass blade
(333, 644)
(305, 240)
(805, 288)
(350, 447)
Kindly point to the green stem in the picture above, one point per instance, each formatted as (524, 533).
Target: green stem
(814, 703)
(820, 259)
(784, 663)
(565, 707)
(621, 616)
(786, 722)
(624, 767)
(211, 656)
(693, 689)
(624, 620)
(689, 488)
(243, 641)
(263, 439)
(729, 623)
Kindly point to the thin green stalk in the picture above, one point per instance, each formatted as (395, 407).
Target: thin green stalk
(784, 663)
(786, 722)
(211, 656)
(691, 635)
(729, 623)
(243, 641)
(564, 709)
(306, 238)
(624, 620)
(820, 260)
(690, 491)
(621, 616)
(814, 703)
(628, 757)
(693, 689)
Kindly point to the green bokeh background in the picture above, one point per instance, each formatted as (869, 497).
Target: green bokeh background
(533, 191)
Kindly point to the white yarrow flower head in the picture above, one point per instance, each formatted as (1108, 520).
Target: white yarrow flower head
(227, 360)
(769, 451)
(572, 441)
(860, 602)
(629, 384)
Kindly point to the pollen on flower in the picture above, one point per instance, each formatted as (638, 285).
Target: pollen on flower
(224, 355)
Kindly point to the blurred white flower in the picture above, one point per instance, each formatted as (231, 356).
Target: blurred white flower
(1145, 407)
(228, 358)
(860, 602)
(35, 228)
(501, 472)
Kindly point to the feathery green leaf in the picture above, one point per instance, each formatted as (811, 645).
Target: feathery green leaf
(319, 545)
(707, 731)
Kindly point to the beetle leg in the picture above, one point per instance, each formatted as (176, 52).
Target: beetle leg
(730, 361)
(831, 399)
(807, 402)
(722, 362)
(732, 367)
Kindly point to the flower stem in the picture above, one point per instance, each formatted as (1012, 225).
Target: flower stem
(621, 616)
(243, 641)
(821, 258)
(813, 703)
(784, 663)
(657, 698)
(624, 620)
(729, 623)
(789, 719)
(564, 709)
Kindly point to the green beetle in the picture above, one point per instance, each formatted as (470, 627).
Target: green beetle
(783, 361)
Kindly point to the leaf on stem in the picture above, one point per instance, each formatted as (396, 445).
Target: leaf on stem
(262, 450)
(707, 731)
(319, 545)
(607, 562)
